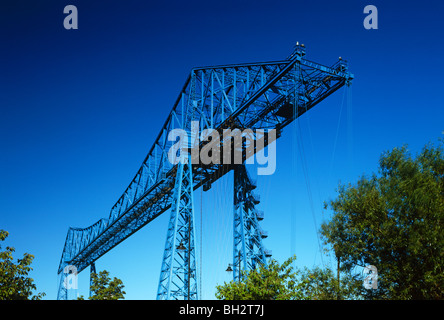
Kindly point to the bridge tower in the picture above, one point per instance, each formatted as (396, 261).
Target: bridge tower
(258, 96)
(178, 276)
(248, 249)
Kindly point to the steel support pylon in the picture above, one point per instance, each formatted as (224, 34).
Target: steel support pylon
(62, 293)
(252, 96)
(68, 281)
(91, 271)
(178, 276)
(248, 249)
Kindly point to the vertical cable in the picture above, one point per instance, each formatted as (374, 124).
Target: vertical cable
(308, 184)
(294, 157)
(349, 125)
(201, 237)
(336, 136)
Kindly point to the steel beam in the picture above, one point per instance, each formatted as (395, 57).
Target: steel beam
(178, 276)
(248, 248)
(264, 95)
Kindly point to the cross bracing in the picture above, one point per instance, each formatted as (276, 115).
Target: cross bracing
(257, 96)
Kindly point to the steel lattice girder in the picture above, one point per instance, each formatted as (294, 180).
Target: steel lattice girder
(62, 293)
(178, 276)
(267, 95)
(248, 249)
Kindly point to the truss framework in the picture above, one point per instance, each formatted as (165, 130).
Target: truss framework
(178, 275)
(248, 249)
(266, 95)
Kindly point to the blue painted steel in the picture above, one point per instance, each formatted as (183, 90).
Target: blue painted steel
(178, 275)
(62, 293)
(92, 270)
(248, 249)
(68, 280)
(265, 95)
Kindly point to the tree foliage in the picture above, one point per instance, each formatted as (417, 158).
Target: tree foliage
(103, 288)
(323, 284)
(15, 284)
(285, 282)
(393, 220)
(275, 282)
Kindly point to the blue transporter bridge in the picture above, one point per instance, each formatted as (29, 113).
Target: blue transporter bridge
(263, 97)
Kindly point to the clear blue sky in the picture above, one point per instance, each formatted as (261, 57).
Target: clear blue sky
(79, 110)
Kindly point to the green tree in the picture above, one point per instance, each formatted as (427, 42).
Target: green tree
(285, 282)
(275, 282)
(15, 284)
(103, 288)
(393, 220)
(323, 284)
